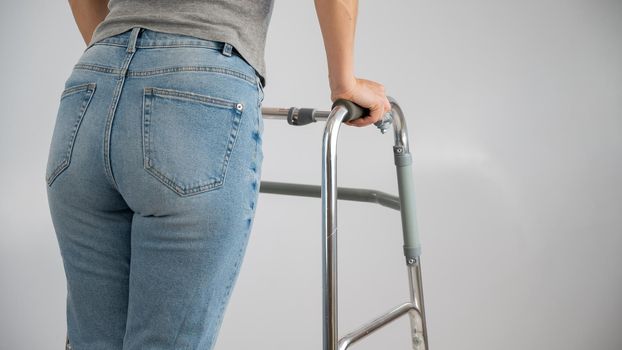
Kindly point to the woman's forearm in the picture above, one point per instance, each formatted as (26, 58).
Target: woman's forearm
(338, 23)
(88, 14)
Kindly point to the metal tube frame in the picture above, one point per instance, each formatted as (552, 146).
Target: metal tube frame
(330, 193)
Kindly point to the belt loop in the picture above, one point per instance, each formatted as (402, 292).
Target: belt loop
(227, 49)
(131, 45)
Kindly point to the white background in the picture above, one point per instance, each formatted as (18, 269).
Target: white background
(514, 111)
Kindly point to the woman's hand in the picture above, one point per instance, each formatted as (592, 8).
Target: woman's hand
(337, 22)
(367, 94)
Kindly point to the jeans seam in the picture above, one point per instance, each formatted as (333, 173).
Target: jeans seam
(97, 68)
(224, 300)
(148, 73)
(116, 95)
(213, 69)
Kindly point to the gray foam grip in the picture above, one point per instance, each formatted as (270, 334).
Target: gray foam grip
(354, 111)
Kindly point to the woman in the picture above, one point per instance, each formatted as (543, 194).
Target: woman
(155, 161)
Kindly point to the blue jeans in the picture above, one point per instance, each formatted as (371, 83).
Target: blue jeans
(152, 180)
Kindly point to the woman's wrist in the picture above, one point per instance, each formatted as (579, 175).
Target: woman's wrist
(341, 86)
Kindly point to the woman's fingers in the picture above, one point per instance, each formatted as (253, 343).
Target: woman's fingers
(375, 115)
(368, 94)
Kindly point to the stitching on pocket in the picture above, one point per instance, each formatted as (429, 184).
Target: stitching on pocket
(63, 140)
(216, 101)
(172, 124)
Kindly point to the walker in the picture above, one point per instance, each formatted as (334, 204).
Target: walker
(344, 110)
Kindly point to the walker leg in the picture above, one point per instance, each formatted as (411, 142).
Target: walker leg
(329, 227)
(412, 244)
(418, 326)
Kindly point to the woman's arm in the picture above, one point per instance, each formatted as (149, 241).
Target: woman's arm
(338, 23)
(88, 14)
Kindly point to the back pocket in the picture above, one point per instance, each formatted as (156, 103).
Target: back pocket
(188, 138)
(74, 102)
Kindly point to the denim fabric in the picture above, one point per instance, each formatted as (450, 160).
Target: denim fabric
(152, 181)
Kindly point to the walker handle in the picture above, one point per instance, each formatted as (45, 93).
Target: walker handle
(354, 110)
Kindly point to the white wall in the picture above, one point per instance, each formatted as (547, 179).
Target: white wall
(514, 111)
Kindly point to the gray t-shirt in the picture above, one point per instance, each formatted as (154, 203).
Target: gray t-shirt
(241, 23)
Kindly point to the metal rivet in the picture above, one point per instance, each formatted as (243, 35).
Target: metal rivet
(239, 106)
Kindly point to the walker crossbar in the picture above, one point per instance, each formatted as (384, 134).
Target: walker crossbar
(345, 193)
(376, 324)
(343, 110)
